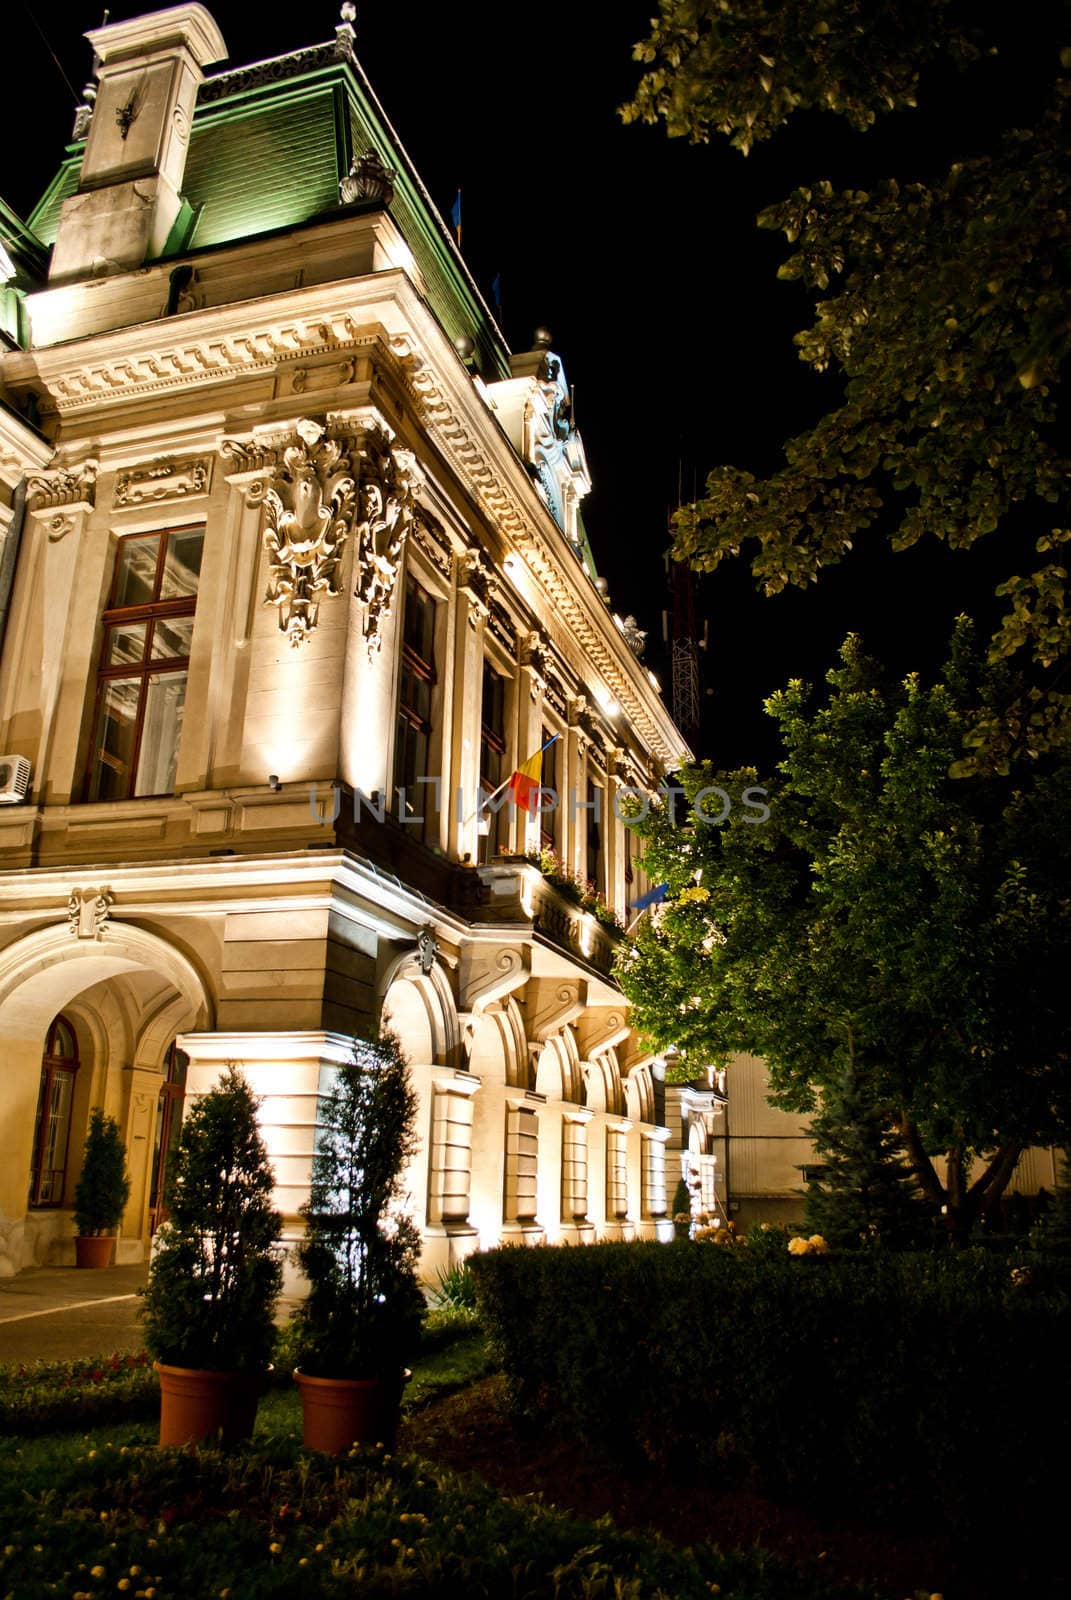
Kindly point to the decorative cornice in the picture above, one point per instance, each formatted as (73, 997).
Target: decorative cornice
(219, 358)
(256, 337)
(528, 531)
(63, 486)
(224, 84)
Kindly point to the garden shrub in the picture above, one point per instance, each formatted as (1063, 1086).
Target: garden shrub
(272, 1520)
(873, 1382)
(45, 1396)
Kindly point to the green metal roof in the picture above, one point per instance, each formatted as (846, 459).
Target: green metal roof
(28, 257)
(268, 164)
(268, 146)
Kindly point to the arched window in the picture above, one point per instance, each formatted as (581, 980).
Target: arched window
(52, 1130)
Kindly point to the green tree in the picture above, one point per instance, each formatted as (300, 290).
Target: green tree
(103, 1186)
(886, 918)
(942, 304)
(216, 1272)
(362, 1315)
(1053, 1231)
(866, 1193)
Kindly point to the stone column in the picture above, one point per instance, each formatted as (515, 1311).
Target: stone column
(576, 1227)
(450, 1235)
(289, 1072)
(465, 754)
(520, 1224)
(140, 1093)
(232, 655)
(617, 1224)
(52, 628)
(655, 1221)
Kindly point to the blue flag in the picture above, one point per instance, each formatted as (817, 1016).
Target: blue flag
(653, 897)
(455, 216)
(496, 291)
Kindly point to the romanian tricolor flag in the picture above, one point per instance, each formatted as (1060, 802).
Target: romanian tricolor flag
(524, 784)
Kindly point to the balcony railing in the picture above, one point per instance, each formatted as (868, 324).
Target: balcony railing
(515, 890)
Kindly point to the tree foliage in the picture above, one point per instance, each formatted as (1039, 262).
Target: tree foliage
(362, 1315)
(216, 1272)
(941, 304)
(865, 1194)
(887, 920)
(103, 1186)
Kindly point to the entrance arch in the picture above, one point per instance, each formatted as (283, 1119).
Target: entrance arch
(43, 975)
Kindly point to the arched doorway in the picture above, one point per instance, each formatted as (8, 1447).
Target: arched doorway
(77, 1019)
(52, 1124)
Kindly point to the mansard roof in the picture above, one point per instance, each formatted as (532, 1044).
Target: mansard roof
(23, 265)
(270, 144)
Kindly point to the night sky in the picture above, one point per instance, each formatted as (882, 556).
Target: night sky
(641, 255)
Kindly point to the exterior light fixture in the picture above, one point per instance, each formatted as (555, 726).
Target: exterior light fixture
(273, 782)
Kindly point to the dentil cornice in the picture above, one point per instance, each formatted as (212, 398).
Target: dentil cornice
(380, 313)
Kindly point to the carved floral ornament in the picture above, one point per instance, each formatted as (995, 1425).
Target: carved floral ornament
(63, 486)
(316, 488)
(387, 479)
(87, 912)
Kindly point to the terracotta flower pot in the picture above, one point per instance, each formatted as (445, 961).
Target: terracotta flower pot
(94, 1249)
(338, 1412)
(196, 1404)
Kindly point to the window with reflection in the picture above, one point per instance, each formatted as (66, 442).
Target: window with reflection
(550, 813)
(412, 743)
(52, 1127)
(144, 664)
(492, 756)
(593, 855)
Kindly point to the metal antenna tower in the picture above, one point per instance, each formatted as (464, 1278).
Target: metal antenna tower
(684, 653)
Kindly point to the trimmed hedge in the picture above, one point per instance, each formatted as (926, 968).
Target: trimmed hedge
(936, 1384)
(47, 1396)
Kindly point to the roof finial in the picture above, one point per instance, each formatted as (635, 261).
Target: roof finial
(344, 34)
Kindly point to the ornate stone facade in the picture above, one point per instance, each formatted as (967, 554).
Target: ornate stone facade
(286, 587)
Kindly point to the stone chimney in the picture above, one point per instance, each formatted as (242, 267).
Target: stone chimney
(128, 195)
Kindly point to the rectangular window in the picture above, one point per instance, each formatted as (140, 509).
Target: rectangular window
(548, 819)
(414, 724)
(492, 755)
(145, 659)
(593, 858)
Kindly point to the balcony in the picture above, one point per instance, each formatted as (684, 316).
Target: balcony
(516, 890)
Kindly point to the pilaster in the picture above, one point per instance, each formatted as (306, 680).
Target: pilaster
(140, 1094)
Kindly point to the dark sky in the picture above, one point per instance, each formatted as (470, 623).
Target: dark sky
(641, 255)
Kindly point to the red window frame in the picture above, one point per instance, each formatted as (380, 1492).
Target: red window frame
(149, 612)
(53, 1066)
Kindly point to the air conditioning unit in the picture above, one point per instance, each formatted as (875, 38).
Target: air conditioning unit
(14, 779)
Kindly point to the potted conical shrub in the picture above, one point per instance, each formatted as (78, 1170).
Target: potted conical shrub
(216, 1273)
(360, 1323)
(102, 1192)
